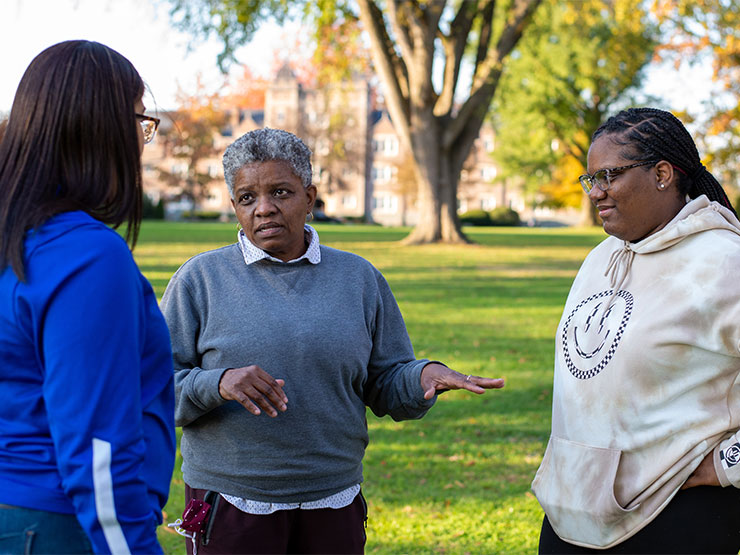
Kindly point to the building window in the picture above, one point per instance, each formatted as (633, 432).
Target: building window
(349, 201)
(322, 146)
(179, 169)
(216, 196)
(382, 173)
(386, 145)
(488, 173)
(385, 203)
(488, 203)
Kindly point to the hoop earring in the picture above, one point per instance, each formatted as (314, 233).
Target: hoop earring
(309, 217)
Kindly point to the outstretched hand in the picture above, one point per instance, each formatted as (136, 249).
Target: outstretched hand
(438, 377)
(254, 389)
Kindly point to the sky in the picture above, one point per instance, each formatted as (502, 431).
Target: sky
(138, 29)
(141, 31)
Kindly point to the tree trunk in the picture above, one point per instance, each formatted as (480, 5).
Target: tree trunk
(451, 229)
(404, 209)
(438, 221)
(428, 227)
(589, 215)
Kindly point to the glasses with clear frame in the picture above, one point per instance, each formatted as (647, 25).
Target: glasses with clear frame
(603, 178)
(149, 126)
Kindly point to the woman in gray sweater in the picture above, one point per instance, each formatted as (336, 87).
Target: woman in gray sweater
(278, 325)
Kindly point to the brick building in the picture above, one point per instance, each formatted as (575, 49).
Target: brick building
(360, 166)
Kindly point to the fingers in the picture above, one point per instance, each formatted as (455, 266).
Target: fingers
(483, 383)
(254, 389)
(436, 377)
(269, 396)
(469, 383)
(474, 384)
(246, 402)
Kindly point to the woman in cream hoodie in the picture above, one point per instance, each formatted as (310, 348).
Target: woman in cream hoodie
(644, 455)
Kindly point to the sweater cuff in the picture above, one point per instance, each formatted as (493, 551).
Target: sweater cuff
(415, 384)
(439, 391)
(726, 459)
(206, 385)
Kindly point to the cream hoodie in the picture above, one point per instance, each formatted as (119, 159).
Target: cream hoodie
(647, 365)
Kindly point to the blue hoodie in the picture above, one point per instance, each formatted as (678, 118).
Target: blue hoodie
(86, 386)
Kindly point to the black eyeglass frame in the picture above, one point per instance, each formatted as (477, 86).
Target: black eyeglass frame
(142, 119)
(588, 181)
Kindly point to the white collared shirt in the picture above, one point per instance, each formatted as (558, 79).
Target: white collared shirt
(252, 253)
(337, 501)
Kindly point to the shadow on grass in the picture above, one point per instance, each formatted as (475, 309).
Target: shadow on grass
(207, 232)
(451, 294)
(154, 231)
(527, 237)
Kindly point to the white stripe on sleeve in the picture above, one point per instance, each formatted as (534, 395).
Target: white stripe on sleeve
(106, 509)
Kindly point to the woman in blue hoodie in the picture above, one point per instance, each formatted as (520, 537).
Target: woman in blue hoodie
(86, 388)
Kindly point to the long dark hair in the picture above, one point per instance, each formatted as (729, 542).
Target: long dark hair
(652, 134)
(71, 143)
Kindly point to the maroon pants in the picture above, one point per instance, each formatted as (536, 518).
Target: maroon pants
(294, 531)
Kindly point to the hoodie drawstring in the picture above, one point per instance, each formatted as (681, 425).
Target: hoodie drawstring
(617, 270)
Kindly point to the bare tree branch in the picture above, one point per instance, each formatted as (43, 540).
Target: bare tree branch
(454, 47)
(392, 69)
(412, 18)
(400, 20)
(520, 14)
(433, 12)
(488, 72)
(486, 29)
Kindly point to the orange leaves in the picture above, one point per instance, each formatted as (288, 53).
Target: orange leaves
(247, 91)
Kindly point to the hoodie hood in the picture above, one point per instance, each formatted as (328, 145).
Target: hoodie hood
(700, 214)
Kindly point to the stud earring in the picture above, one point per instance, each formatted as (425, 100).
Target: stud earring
(661, 185)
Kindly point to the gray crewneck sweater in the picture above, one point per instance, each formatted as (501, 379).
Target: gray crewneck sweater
(332, 331)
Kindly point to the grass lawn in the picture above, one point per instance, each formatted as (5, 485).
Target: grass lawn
(456, 481)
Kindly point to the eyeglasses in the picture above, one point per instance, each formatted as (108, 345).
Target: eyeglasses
(149, 126)
(603, 178)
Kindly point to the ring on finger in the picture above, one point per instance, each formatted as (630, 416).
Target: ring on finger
(468, 378)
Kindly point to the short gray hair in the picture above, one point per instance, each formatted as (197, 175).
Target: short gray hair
(262, 145)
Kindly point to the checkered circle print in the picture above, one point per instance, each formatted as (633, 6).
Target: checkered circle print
(592, 332)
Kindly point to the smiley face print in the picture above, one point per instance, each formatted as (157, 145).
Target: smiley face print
(593, 330)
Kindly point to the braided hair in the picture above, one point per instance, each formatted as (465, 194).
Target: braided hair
(649, 133)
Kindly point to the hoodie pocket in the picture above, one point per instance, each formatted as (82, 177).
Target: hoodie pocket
(575, 486)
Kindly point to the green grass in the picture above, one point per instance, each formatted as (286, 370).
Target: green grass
(456, 481)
